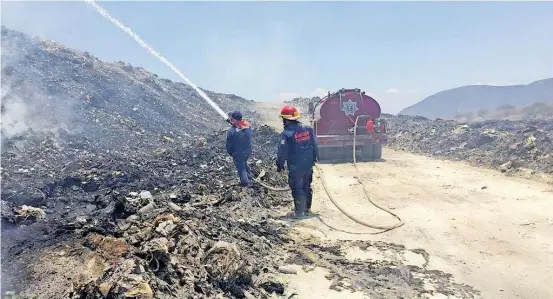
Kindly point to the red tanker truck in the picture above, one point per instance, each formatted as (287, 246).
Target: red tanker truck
(334, 119)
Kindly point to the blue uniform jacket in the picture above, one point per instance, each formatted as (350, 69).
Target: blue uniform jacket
(298, 147)
(239, 142)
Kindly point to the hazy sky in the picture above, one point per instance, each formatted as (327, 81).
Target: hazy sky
(400, 52)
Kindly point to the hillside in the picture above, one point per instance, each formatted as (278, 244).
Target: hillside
(475, 98)
(508, 112)
(48, 88)
(108, 173)
(302, 101)
(117, 184)
(113, 185)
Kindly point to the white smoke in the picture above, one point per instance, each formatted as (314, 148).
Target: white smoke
(27, 109)
(15, 115)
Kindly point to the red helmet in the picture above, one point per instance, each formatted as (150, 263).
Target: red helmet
(289, 112)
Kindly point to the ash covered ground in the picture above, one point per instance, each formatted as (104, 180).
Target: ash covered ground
(172, 222)
(509, 146)
(116, 184)
(114, 187)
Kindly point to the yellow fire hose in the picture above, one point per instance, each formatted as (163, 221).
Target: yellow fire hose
(341, 209)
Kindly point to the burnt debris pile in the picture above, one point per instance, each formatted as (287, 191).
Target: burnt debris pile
(510, 146)
(49, 88)
(41, 168)
(172, 222)
(114, 187)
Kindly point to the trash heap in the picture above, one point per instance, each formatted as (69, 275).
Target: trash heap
(170, 223)
(509, 146)
(49, 88)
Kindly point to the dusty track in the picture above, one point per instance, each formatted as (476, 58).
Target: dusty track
(489, 231)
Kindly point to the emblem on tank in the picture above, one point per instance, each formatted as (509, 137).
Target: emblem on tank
(349, 107)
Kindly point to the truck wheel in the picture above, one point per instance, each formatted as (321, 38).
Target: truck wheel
(377, 151)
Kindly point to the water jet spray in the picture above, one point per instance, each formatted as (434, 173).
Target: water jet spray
(156, 54)
(142, 43)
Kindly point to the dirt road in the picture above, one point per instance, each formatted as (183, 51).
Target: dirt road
(492, 233)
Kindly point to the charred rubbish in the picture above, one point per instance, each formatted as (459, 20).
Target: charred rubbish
(508, 146)
(171, 223)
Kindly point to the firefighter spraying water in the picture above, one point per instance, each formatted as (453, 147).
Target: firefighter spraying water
(239, 146)
(298, 145)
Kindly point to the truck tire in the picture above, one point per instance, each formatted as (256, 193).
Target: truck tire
(377, 151)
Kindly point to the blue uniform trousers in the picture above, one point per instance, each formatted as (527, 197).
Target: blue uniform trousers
(300, 185)
(243, 170)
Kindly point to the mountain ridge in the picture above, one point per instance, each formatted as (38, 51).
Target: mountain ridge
(472, 98)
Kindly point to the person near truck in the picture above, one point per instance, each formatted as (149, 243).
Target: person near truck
(298, 148)
(369, 127)
(239, 146)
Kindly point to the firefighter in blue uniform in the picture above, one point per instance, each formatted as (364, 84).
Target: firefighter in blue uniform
(298, 148)
(239, 146)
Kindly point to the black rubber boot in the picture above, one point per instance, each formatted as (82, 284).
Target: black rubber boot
(300, 206)
(294, 213)
(309, 199)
